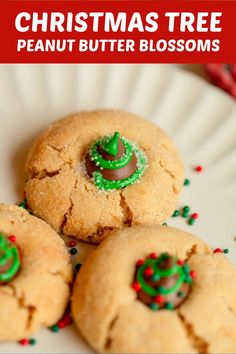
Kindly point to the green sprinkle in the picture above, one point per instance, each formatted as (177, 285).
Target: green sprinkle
(185, 214)
(186, 209)
(73, 251)
(191, 221)
(226, 250)
(156, 277)
(186, 268)
(188, 279)
(186, 182)
(32, 341)
(175, 213)
(161, 289)
(169, 306)
(154, 306)
(180, 293)
(164, 224)
(23, 204)
(55, 328)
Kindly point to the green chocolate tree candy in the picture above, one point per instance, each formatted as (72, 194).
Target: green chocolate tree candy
(111, 144)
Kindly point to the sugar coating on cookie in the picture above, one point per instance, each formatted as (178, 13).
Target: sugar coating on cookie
(35, 274)
(60, 190)
(112, 318)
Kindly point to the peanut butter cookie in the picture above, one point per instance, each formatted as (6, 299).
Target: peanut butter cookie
(35, 274)
(156, 289)
(93, 172)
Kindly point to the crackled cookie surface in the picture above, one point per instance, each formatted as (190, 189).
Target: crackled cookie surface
(35, 274)
(156, 289)
(77, 168)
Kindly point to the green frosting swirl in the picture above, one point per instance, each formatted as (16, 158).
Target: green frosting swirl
(8, 253)
(110, 145)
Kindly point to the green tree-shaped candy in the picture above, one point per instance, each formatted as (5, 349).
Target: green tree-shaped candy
(111, 145)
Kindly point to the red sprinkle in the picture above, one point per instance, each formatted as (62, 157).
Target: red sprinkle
(195, 216)
(140, 262)
(136, 286)
(159, 299)
(148, 272)
(193, 274)
(12, 238)
(218, 250)
(72, 243)
(180, 262)
(199, 168)
(153, 255)
(24, 341)
(67, 320)
(61, 324)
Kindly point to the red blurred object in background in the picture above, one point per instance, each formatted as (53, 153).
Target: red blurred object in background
(223, 76)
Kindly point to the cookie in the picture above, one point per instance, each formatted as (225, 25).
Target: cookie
(156, 289)
(93, 172)
(35, 274)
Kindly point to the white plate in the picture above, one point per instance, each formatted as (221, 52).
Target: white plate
(201, 119)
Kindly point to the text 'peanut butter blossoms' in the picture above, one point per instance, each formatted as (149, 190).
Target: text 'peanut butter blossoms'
(162, 282)
(114, 162)
(9, 260)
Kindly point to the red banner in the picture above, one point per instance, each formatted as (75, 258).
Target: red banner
(117, 31)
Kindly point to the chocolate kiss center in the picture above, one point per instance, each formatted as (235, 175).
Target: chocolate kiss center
(6, 267)
(166, 282)
(106, 156)
(112, 175)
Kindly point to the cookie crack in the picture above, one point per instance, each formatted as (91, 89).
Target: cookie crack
(198, 343)
(86, 188)
(101, 231)
(166, 170)
(170, 174)
(59, 153)
(31, 309)
(127, 212)
(65, 145)
(55, 148)
(109, 340)
(194, 251)
(58, 273)
(68, 213)
(191, 252)
(44, 174)
(66, 216)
